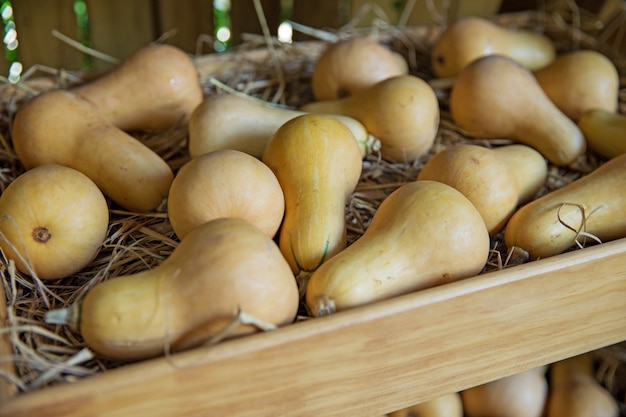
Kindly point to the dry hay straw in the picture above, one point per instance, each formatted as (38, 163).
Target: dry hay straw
(40, 355)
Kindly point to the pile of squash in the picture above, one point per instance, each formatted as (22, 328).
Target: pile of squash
(259, 207)
(567, 388)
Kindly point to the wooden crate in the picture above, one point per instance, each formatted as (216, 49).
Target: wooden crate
(373, 359)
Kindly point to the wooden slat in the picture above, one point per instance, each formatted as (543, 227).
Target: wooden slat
(319, 15)
(120, 27)
(190, 19)
(244, 18)
(34, 22)
(372, 360)
(421, 13)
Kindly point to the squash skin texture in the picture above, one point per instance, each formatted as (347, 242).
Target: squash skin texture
(156, 88)
(495, 97)
(349, 66)
(423, 234)
(225, 183)
(523, 394)
(127, 171)
(547, 225)
(55, 218)
(226, 121)
(575, 392)
(495, 180)
(447, 405)
(318, 165)
(605, 131)
(402, 112)
(470, 38)
(221, 267)
(580, 81)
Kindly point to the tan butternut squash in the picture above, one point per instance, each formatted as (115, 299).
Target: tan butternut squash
(155, 88)
(558, 220)
(53, 220)
(402, 112)
(575, 392)
(423, 234)
(472, 37)
(225, 183)
(495, 180)
(221, 267)
(579, 81)
(495, 97)
(447, 405)
(59, 127)
(523, 394)
(228, 121)
(318, 165)
(604, 131)
(351, 65)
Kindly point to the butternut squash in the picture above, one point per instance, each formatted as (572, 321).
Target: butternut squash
(221, 267)
(574, 391)
(605, 131)
(228, 121)
(351, 65)
(225, 183)
(523, 394)
(495, 97)
(425, 233)
(155, 88)
(447, 405)
(53, 220)
(579, 81)
(495, 180)
(318, 165)
(558, 220)
(402, 112)
(470, 38)
(59, 127)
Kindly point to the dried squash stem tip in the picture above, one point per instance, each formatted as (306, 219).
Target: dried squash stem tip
(65, 316)
(373, 144)
(324, 306)
(517, 256)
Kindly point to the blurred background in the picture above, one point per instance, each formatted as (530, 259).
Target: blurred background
(48, 35)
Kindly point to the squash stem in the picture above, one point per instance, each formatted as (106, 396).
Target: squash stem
(324, 306)
(66, 316)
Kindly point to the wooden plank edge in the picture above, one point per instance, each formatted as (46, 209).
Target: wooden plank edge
(376, 358)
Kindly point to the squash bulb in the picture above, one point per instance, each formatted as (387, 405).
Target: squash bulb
(523, 394)
(228, 121)
(53, 220)
(318, 165)
(580, 81)
(423, 234)
(471, 37)
(402, 112)
(155, 88)
(447, 405)
(495, 97)
(576, 393)
(225, 183)
(349, 66)
(59, 127)
(495, 180)
(221, 267)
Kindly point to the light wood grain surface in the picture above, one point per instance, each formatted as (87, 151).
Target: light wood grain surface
(374, 359)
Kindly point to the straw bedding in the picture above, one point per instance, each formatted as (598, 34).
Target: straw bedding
(44, 355)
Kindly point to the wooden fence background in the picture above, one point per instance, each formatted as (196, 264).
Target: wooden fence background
(119, 27)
